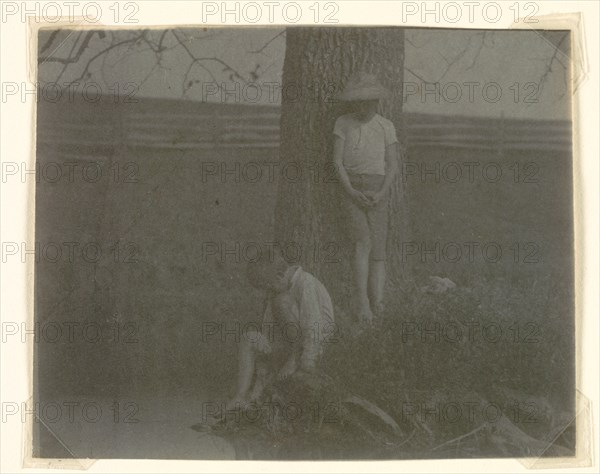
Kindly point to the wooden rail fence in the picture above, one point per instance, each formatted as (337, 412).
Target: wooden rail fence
(175, 125)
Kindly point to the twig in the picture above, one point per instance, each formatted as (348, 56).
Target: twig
(548, 70)
(160, 41)
(60, 45)
(478, 52)
(50, 40)
(106, 50)
(195, 60)
(69, 59)
(207, 58)
(416, 75)
(258, 51)
(64, 68)
(375, 410)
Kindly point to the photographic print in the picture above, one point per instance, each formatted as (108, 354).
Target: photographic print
(304, 243)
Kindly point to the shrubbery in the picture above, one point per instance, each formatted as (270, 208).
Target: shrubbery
(464, 373)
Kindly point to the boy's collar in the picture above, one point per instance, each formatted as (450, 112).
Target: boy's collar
(364, 122)
(291, 274)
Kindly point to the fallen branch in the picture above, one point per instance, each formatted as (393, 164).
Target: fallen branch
(375, 410)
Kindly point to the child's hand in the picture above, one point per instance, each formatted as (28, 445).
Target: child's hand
(359, 198)
(263, 345)
(288, 369)
(374, 197)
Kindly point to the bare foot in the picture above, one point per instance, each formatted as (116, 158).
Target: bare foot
(256, 392)
(378, 309)
(365, 317)
(237, 402)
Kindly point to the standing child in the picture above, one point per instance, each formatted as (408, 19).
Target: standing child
(365, 153)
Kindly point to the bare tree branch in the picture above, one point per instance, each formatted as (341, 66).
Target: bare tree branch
(49, 41)
(227, 67)
(69, 59)
(60, 44)
(258, 51)
(105, 51)
(550, 63)
(461, 54)
(157, 45)
(143, 81)
(185, 85)
(415, 74)
(103, 66)
(449, 62)
(158, 42)
(478, 52)
(66, 65)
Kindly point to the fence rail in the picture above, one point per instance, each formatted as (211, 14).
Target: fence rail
(166, 125)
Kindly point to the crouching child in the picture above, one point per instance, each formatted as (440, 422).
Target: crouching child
(297, 320)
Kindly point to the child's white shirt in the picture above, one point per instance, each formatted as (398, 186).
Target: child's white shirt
(365, 143)
(306, 314)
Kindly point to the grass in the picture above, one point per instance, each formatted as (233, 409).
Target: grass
(453, 394)
(174, 290)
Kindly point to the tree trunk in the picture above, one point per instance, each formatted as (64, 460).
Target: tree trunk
(317, 65)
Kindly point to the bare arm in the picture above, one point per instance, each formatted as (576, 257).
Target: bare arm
(338, 151)
(391, 167)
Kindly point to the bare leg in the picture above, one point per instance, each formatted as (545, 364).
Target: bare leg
(260, 382)
(247, 360)
(376, 284)
(361, 273)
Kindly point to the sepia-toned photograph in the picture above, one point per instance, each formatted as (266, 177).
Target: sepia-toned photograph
(304, 243)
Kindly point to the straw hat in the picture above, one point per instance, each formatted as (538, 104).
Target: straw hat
(363, 86)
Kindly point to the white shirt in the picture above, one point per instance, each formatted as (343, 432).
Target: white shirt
(365, 143)
(307, 305)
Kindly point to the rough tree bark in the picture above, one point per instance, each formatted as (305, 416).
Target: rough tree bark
(317, 65)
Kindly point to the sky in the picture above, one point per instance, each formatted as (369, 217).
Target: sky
(488, 73)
